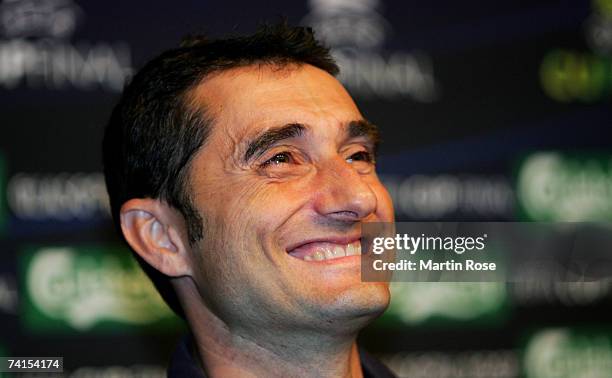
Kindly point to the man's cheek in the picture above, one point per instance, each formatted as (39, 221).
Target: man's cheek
(235, 199)
(275, 195)
(284, 201)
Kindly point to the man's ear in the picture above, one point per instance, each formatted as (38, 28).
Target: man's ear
(157, 232)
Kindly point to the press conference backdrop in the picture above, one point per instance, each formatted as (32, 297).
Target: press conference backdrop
(490, 110)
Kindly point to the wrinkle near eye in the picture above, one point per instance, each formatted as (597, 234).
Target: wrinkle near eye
(232, 151)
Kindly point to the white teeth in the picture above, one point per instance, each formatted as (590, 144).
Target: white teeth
(329, 252)
(339, 252)
(318, 255)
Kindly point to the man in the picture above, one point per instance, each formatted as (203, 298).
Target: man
(240, 172)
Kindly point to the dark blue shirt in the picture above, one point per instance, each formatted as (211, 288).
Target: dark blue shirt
(183, 364)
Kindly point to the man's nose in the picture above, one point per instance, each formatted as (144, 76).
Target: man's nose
(342, 193)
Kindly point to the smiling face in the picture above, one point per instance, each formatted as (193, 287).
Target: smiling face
(283, 184)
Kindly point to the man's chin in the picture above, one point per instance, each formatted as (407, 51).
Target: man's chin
(370, 298)
(356, 307)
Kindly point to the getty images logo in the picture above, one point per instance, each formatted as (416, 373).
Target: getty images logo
(356, 32)
(36, 51)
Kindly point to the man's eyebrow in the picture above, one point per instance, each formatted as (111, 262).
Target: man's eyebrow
(364, 128)
(272, 136)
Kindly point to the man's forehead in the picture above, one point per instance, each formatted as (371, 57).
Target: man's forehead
(257, 97)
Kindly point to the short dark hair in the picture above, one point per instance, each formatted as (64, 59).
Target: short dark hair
(154, 131)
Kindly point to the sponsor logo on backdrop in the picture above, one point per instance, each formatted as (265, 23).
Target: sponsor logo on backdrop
(36, 49)
(88, 289)
(438, 196)
(568, 353)
(356, 31)
(569, 294)
(445, 364)
(58, 196)
(599, 27)
(421, 303)
(582, 76)
(576, 76)
(556, 187)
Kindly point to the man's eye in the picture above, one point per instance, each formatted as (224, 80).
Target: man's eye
(280, 158)
(361, 156)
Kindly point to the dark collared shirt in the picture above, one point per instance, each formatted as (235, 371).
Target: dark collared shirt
(183, 364)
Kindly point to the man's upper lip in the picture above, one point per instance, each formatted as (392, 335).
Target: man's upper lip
(340, 239)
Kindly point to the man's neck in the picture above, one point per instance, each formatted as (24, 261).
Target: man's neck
(225, 352)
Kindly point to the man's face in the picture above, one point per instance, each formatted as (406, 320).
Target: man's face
(284, 183)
